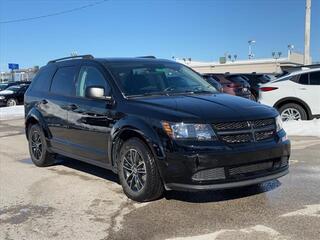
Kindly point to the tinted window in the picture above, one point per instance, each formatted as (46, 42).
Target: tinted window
(90, 76)
(42, 80)
(63, 81)
(304, 79)
(315, 78)
(145, 78)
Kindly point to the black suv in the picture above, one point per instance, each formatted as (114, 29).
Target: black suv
(156, 123)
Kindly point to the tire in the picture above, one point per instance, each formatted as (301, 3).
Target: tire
(150, 184)
(40, 157)
(12, 102)
(298, 112)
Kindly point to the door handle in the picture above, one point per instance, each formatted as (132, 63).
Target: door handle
(302, 88)
(72, 107)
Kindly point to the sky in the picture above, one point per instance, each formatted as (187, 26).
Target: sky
(201, 29)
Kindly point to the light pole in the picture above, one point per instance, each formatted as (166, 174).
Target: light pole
(251, 54)
(276, 56)
(307, 59)
(290, 48)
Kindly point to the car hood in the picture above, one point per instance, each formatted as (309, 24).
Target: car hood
(202, 108)
(6, 92)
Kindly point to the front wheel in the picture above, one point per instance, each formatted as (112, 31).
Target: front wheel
(12, 102)
(292, 111)
(138, 172)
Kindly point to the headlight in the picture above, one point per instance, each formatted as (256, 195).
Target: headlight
(189, 131)
(279, 123)
(2, 97)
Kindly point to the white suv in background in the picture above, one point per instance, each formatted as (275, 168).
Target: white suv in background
(296, 95)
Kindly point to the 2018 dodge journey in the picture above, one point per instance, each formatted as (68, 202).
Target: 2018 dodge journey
(156, 123)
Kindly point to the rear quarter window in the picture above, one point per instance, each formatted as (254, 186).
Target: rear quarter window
(42, 80)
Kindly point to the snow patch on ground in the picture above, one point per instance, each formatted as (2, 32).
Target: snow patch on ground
(256, 232)
(309, 210)
(303, 128)
(8, 113)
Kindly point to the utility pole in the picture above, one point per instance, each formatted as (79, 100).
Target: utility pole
(307, 59)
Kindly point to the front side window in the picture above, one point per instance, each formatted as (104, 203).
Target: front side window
(90, 77)
(136, 79)
(315, 78)
(63, 81)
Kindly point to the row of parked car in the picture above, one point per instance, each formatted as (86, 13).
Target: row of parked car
(12, 93)
(295, 95)
(243, 85)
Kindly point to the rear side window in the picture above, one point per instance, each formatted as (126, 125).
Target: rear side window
(42, 80)
(304, 79)
(315, 78)
(63, 81)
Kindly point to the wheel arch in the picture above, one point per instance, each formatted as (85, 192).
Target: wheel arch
(126, 129)
(35, 117)
(298, 101)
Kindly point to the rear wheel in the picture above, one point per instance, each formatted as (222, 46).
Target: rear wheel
(292, 111)
(12, 102)
(38, 147)
(138, 172)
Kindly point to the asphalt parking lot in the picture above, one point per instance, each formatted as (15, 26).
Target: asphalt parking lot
(73, 200)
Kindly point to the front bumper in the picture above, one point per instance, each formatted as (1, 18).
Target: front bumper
(217, 186)
(222, 166)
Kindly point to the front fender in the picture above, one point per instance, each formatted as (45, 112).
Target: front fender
(142, 128)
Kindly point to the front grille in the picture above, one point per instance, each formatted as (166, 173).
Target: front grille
(245, 131)
(237, 172)
(231, 126)
(264, 135)
(236, 138)
(250, 168)
(209, 174)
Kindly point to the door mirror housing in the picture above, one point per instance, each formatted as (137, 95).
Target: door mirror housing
(97, 92)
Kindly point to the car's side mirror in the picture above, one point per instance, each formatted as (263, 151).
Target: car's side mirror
(96, 92)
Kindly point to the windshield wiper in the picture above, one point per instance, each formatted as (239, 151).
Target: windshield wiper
(148, 94)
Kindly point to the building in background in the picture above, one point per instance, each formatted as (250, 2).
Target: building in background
(26, 74)
(275, 65)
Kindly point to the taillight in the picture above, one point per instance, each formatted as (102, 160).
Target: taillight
(268, 89)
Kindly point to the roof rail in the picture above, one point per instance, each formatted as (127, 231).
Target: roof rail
(153, 57)
(88, 56)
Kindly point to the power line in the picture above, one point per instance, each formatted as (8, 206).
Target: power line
(53, 14)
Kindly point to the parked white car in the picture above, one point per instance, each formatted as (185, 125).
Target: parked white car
(296, 95)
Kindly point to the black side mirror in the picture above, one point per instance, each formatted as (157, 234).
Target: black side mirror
(96, 92)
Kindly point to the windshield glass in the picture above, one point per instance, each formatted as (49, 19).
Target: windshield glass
(142, 79)
(13, 88)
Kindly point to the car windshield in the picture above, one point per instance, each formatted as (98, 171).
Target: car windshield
(144, 79)
(13, 88)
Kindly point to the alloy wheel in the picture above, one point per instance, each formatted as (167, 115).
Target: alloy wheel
(290, 114)
(11, 103)
(134, 170)
(36, 145)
